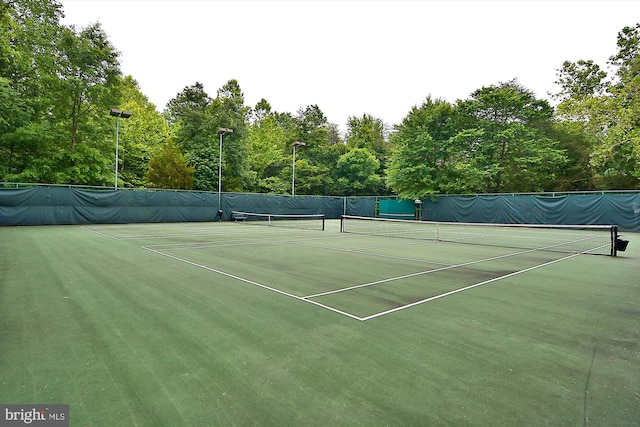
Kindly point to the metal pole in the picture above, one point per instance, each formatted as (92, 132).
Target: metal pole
(220, 178)
(293, 166)
(115, 112)
(293, 173)
(117, 123)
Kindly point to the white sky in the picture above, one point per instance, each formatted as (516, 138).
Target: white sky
(352, 57)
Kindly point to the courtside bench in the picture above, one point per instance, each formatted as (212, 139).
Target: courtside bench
(237, 216)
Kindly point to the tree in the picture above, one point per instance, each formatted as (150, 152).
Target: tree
(421, 161)
(317, 159)
(607, 113)
(169, 169)
(229, 111)
(28, 136)
(625, 134)
(193, 100)
(195, 134)
(268, 151)
(504, 145)
(64, 80)
(412, 173)
(370, 133)
(367, 132)
(142, 136)
(356, 173)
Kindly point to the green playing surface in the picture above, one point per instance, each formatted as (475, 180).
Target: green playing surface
(242, 324)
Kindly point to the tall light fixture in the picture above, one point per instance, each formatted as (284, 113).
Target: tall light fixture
(293, 166)
(221, 132)
(117, 114)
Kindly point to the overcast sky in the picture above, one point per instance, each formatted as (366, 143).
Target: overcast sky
(352, 57)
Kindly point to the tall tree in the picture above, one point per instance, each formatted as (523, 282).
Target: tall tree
(583, 101)
(28, 137)
(228, 110)
(421, 162)
(142, 137)
(504, 145)
(88, 86)
(192, 100)
(268, 151)
(625, 134)
(370, 133)
(169, 169)
(317, 158)
(195, 134)
(606, 112)
(357, 173)
(65, 79)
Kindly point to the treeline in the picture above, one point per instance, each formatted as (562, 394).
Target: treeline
(58, 84)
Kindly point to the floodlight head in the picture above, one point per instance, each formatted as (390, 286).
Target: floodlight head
(298, 144)
(119, 113)
(224, 131)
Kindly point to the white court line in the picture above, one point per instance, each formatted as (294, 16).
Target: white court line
(419, 273)
(99, 233)
(196, 232)
(466, 288)
(308, 299)
(240, 242)
(365, 252)
(448, 267)
(251, 282)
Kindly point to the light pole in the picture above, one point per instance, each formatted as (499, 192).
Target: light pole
(117, 114)
(293, 166)
(222, 132)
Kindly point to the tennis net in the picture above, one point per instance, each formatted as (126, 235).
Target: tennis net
(305, 221)
(588, 239)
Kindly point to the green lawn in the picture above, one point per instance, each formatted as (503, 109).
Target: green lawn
(214, 324)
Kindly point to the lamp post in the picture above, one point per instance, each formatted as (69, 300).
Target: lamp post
(222, 132)
(293, 166)
(117, 114)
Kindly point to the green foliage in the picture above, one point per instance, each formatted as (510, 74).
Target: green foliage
(356, 173)
(412, 174)
(510, 149)
(229, 111)
(57, 84)
(58, 94)
(421, 161)
(497, 141)
(141, 136)
(267, 152)
(169, 169)
(607, 113)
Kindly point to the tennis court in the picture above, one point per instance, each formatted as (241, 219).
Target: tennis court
(316, 323)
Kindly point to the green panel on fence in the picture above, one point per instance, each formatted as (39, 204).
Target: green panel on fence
(621, 209)
(398, 209)
(67, 205)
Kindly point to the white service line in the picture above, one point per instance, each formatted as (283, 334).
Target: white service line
(365, 252)
(382, 313)
(308, 298)
(99, 233)
(251, 282)
(419, 273)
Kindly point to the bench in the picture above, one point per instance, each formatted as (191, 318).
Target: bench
(238, 216)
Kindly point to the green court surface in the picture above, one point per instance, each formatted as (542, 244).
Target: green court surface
(198, 324)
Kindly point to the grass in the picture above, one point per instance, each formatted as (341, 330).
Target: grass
(128, 336)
